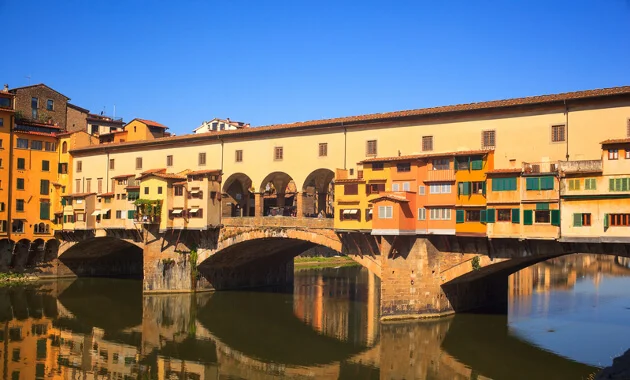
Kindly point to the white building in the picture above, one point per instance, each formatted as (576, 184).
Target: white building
(220, 125)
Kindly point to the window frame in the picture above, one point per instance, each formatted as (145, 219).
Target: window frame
(238, 155)
(613, 154)
(371, 148)
(278, 153)
(558, 137)
(169, 160)
(202, 159)
(323, 150)
(50, 105)
(491, 133)
(427, 143)
(138, 163)
(501, 215)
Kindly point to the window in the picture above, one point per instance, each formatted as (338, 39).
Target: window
(278, 153)
(77, 185)
(406, 186)
(37, 145)
(504, 215)
(159, 189)
(351, 189)
(395, 187)
(422, 214)
(112, 164)
(1, 141)
(44, 212)
(488, 139)
(17, 226)
(473, 215)
(202, 158)
(1, 122)
(376, 166)
(99, 185)
(542, 216)
(138, 163)
(50, 104)
(179, 191)
(422, 190)
(619, 184)
(63, 168)
(2, 206)
(146, 190)
(34, 102)
(19, 205)
(613, 154)
(44, 185)
(370, 149)
(196, 213)
(22, 143)
(21, 164)
(557, 133)
(3, 226)
(385, 212)
(88, 185)
(50, 146)
(119, 214)
(5, 103)
(504, 184)
(403, 167)
(375, 188)
(478, 187)
(539, 183)
(441, 164)
(64, 147)
(238, 156)
(45, 165)
(627, 151)
(440, 214)
(20, 184)
(108, 200)
(440, 188)
(169, 160)
(574, 184)
(79, 166)
(427, 143)
(617, 220)
(323, 149)
(476, 163)
(581, 220)
(590, 184)
(462, 163)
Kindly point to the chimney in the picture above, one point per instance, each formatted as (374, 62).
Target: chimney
(6, 88)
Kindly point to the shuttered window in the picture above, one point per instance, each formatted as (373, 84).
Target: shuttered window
(590, 184)
(516, 214)
(528, 217)
(619, 184)
(504, 184)
(488, 139)
(490, 215)
(323, 149)
(44, 210)
(557, 133)
(371, 149)
(138, 163)
(539, 183)
(476, 163)
(459, 216)
(43, 187)
(555, 218)
(427, 143)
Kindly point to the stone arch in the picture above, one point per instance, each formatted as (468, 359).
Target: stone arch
(35, 252)
(278, 193)
(318, 193)
(104, 256)
(51, 249)
(20, 254)
(6, 252)
(238, 196)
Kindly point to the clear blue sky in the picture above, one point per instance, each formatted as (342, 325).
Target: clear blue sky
(268, 62)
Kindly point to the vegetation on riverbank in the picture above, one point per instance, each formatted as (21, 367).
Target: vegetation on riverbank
(10, 278)
(322, 262)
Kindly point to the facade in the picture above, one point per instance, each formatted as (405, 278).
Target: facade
(470, 204)
(215, 125)
(7, 118)
(79, 211)
(39, 103)
(101, 125)
(504, 203)
(76, 118)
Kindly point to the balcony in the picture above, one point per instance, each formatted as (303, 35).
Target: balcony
(447, 175)
(533, 168)
(584, 166)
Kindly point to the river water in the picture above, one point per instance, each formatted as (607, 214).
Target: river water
(567, 317)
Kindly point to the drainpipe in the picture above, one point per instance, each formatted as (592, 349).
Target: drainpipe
(222, 153)
(10, 199)
(345, 146)
(106, 174)
(566, 122)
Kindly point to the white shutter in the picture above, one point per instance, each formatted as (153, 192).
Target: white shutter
(421, 190)
(406, 186)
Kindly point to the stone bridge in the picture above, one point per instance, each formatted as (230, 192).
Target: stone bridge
(421, 276)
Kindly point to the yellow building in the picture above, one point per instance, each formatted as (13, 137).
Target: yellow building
(540, 194)
(7, 112)
(470, 177)
(156, 196)
(503, 214)
(136, 130)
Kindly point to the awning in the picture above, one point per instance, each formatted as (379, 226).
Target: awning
(195, 209)
(350, 212)
(95, 213)
(177, 212)
(104, 211)
(194, 191)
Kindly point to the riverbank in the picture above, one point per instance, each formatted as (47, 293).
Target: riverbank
(322, 262)
(10, 279)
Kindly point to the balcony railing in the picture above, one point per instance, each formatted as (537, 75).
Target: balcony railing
(540, 167)
(584, 166)
(440, 175)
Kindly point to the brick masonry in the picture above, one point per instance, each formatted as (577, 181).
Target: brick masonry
(23, 98)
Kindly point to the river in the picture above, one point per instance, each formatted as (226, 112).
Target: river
(567, 317)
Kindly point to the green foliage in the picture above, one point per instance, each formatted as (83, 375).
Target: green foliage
(149, 207)
(475, 263)
(194, 273)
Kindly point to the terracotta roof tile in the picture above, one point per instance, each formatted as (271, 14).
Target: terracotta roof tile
(183, 183)
(616, 141)
(153, 171)
(132, 188)
(209, 171)
(503, 171)
(123, 176)
(362, 119)
(152, 123)
(110, 194)
(51, 134)
(77, 195)
(349, 180)
(389, 197)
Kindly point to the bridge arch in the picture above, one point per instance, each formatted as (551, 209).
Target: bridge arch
(20, 254)
(238, 195)
(6, 253)
(278, 191)
(105, 256)
(35, 252)
(318, 193)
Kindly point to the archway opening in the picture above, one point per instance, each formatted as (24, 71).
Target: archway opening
(102, 257)
(35, 252)
(279, 195)
(318, 194)
(20, 254)
(238, 197)
(6, 253)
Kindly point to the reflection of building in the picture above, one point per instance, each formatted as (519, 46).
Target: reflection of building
(24, 348)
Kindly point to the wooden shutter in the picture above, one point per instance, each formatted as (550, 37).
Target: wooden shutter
(528, 217)
(482, 216)
(459, 216)
(555, 217)
(516, 215)
(490, 215)
(577, 220)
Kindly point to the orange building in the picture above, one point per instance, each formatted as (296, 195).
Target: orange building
(6, 127)
(540, 194)
(136, 130)
(470, 175)
(504, 203)
(437, 196)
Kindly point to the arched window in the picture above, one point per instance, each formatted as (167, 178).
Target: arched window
(64, 147)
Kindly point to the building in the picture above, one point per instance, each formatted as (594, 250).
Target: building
(504, 203)
(470, 176)
(100, 125)
(76, 118)
(79, 211)
(135, 130)
(7, 117)
(39, 103)
(215, 125)
(540, 200)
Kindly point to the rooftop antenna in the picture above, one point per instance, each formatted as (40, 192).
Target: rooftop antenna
(114, 116)
(29, 79)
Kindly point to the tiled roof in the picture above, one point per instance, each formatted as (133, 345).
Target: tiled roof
(362, 119)
(616, 141)
(78, 108)
(152, 123)
(77, 195)
(37, 85)
(51, 134)
(201, 172)
(123, 176)
(132, 187)
(110, 194)
(150, 171)
(428, 155)
(36, 124)
(180, 183)
(349, 180)
(504, 171)
(161, 174)
(389, 197)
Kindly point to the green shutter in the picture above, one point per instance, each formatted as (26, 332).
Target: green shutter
(577, 220)
(65, 218)
(546, 183)
(63, 201)
(483, 188)
(477, 164)
(624, 184)
(542, 206)
(577, 184)
(611, 184)
(465, 188)
(459, 216)
(528, 217)
(533, 183)
(511, 184)
(516, 215)
(606, 221)
(482, 216)
(44, 210)
(490, 215)
(555, 217)
(497, 184)
(130, 214)
(571, 185)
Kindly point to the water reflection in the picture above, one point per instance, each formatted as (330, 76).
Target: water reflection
(327, 329)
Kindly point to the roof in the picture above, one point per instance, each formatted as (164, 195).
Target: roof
(237, 124)
(160, 173)
(78, 108)
(153, 171)
(389, 197)
(180, 183)
(38, 85)
(616, 141)
(77, 195)
(349, 180)
(36, 124)
(428, 155)
(150, 123)
(132, 187)
(110, 194)
(122, 176)
(505, 171)
(201, 172)
(380, 117)
(49, 134)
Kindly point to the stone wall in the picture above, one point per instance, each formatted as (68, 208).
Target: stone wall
(23, 104)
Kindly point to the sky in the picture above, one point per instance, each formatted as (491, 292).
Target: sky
(269, 62)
